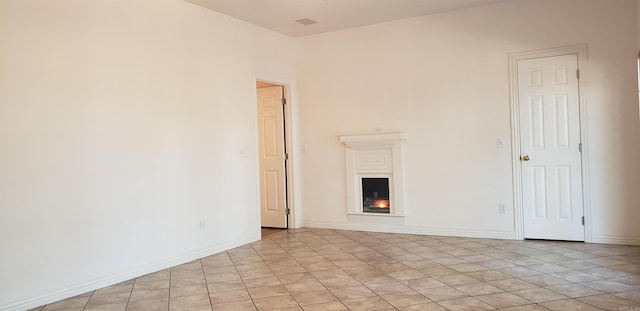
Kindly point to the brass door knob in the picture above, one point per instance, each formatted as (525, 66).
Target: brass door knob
(525, 157)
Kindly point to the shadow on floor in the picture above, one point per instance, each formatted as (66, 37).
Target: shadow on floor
(269, 231)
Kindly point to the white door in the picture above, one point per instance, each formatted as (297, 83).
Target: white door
(272, 157)
(550, 148)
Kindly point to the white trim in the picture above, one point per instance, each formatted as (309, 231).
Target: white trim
(390, 227)
(581, 52)
(124, 276)
(372, 220)
(291, 130)
(366, 141)
(609, 239)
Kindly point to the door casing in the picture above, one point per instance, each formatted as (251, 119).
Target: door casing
(581, 52)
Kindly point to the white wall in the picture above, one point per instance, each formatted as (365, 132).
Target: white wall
(444, 80)
(121, 124)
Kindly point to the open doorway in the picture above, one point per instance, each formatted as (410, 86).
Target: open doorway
(273, 156)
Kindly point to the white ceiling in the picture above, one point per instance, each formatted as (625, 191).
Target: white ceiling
(331, 15)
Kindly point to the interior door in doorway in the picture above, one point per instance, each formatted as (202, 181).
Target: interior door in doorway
(550, 157)
(272, 157)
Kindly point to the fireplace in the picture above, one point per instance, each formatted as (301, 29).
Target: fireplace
(375, 195)
(374, 182)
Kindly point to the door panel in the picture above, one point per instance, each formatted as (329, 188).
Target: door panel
(269, 136)
(272, 149)
(272, 191)
(550, 137)
(537, 122)
(539, 192)
(561, 119)
(563, 184)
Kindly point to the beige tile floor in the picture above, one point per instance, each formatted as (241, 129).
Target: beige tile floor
(269, 231)
(318, 269)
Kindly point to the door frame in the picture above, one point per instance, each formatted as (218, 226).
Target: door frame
(293, 194)
(581, 51)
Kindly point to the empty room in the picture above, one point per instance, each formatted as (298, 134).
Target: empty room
(319, 155)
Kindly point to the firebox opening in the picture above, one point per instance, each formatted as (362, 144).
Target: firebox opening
(375, 195)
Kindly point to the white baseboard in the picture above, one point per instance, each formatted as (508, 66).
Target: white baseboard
(65, 293)
(412, 230)
(394, 228)
(609, 239)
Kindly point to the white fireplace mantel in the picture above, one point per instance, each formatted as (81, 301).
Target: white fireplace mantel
(374, 155)
(372, 140)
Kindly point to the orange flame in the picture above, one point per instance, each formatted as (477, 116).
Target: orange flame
(380, 204)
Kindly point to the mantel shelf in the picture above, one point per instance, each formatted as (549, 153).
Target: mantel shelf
(365, 141)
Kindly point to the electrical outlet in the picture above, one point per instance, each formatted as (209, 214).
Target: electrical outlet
(203, 224)
(500, 143)
(502, 209)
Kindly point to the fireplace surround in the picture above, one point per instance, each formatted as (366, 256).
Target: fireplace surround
(374, 175)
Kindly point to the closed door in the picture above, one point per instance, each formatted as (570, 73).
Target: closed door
(550, 148)
(272, 157)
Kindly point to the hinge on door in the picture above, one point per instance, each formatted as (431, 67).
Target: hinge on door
(287, 211)
(577, 73)
(285, 156)
(283, 101)
(580, 147)
(583, 220)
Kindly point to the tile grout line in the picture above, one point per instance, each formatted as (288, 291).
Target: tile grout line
(169, 300)
(86, 303)
(365, 285)
(294, 259)
(372, 266)
(126, 305)
(388, 274)
(242, 280)
(206, 284)
(404, 249)
(339, 268)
